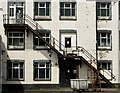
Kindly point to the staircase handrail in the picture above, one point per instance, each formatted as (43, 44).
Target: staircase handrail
(33, 22)
(54, 41)
(93, 59)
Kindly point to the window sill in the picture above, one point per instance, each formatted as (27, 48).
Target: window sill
(67, 17)
(104, 48)
(104, 18)
(41, 48)
(15, 80)
(15, 47)
(42, 18)
(42, 79)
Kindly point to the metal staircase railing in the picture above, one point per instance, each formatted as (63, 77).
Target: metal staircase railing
(93, 61)
(54, 44)
(26, 19)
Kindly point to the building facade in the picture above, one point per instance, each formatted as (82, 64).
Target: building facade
(48, 42)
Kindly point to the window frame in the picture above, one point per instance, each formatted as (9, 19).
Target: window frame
(108, 39)
(42, 47)
(108, 64)
(107, 8)
(42, 17)
(70, 8)
(16, 47)
(39, 66)
(18, 67)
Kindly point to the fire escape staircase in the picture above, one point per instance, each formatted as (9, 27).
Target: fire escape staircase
(35, 28)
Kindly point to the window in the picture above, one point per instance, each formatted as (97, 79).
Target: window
(42, 10)
(67, 42)
(67, 10)
(68, 39)
(104, 39)
(15, 69)
(103, 10)
(38, 43)
(11, 9)
(42, 69)
(105, 64)
(15, 40)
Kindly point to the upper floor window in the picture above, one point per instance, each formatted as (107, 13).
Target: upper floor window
(42, 10)
(38, 43)
(42, 70)
(15, 40)
(16, 12)
(67, 10)
(104, 39)
(15, 69)
(103, 10)
(68, 39)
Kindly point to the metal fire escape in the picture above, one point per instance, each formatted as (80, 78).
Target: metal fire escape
(54, 45)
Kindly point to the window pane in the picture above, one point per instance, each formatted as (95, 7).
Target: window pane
(98, 12)
(11, 12)
(41, 43)
(73, 12)
(47, 73)
(67, 12)
(103, 34)
(15, 42)
(47, 39)
(16, 35)
(21, 73)
(36, 8)
(42, 4)
(47, 12)
(15, 73)
(67, 5)
(103, 42)
(73, 5)
(35, 73)
(42, 11)
(10, 73)
(61, 5)
(10, 41)
(104, 65)
(103, 5)
(62, 12)
(103, 12)
(42, 65)
(36, 41)
(108, 14)
(41, 73)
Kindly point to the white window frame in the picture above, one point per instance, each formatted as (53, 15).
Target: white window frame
(108, 44)
(38, 67)
(107, 8)
(45, 7)
(70, 8)
(18, 67)
(21, 44)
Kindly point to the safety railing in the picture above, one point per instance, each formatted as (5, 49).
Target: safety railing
(93, 61)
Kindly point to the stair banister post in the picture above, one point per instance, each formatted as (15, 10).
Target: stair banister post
(53, 42)
(36, 26)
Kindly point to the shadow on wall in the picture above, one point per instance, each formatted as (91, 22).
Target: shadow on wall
(7, 86)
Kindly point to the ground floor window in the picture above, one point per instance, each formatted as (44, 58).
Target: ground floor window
(15, 69)
(42, 69)
(105, 64)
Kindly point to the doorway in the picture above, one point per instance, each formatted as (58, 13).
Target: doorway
(67, 72)
(16, 12)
